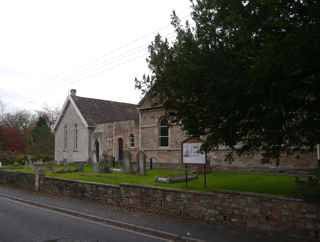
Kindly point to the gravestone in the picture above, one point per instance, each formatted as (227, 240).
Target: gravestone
(142, 163)
(28, 162)
(95, 167)
(39, 172)
(81, 167)
(126, 163)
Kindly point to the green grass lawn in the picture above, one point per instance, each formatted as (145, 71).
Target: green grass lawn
(237, 181)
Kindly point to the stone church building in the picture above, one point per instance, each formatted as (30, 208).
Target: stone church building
(90, 130)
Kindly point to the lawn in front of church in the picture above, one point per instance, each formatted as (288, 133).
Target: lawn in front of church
(267, 183)
(237, 181)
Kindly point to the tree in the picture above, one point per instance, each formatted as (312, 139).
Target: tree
(247, 75)
(51, 113)
(42, 139)
(2, 112)
(20, 119)
(11, 140)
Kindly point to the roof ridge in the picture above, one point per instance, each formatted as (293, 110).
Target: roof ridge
(97, 99)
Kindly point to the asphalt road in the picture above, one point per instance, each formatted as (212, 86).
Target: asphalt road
(20, 222)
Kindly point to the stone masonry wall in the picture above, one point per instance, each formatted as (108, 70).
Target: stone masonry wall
(108, 135)
(22, 180)
(106, 194)
(258, 212)
(172, 154)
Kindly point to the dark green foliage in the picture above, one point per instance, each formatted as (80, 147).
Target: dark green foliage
(104, 167)
(309, 189)
(42, 140)
(247, 73)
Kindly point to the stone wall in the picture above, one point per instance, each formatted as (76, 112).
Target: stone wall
(108, 136)
(172, 154)
(106, 194)
(150, 143)
(266, 213)
(22, 180)
(251, 211)
(296, 161)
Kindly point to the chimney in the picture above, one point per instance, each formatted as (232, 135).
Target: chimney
(73, 92)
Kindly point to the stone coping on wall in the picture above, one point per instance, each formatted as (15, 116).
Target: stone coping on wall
(215, 191)
(83, 182)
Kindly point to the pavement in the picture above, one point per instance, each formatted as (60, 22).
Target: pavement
(31, 216)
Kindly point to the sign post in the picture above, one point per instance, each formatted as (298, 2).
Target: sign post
(192, 155)
(186, 173)
(318, 154)
(205, 172)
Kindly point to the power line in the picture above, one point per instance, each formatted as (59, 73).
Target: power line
(124, 55)
(106, 69)
(97, 59)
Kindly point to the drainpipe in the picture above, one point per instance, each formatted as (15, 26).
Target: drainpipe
(114, 140)
(89, 144)
(318, 154)
(140, 132)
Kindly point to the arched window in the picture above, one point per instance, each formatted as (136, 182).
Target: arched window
(164, 133)
(65, 141)
(75, 141)
(131, 140)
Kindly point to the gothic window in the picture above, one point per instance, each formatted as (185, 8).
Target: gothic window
(75, 141)
(164, 133)
(65, 145)
(131, 140)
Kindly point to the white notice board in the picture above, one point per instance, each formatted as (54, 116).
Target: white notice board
(192, 155)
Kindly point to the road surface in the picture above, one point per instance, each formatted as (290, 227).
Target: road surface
(20, 222)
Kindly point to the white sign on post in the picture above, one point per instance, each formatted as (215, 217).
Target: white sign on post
(192, 154)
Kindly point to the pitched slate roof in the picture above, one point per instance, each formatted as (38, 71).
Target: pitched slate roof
(96, 111)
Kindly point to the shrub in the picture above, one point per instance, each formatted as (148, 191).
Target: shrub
(104, 167)
(309, 189)
(7, 158)
(20, 160)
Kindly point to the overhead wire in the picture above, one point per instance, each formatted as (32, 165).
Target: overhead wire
(98, 59)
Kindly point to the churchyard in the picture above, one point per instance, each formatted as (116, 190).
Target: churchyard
(243, 181)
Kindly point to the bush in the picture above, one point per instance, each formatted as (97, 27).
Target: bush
(43, 158)
(66, 168)
(20, 160)
(11, 158)
(6, 158)
(309, 189)
(104, 167)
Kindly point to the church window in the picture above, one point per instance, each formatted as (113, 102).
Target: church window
(131, 140)
(65, 145)
(75, 144)
(164, 133)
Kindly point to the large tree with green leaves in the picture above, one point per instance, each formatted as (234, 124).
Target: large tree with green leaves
(243, 72)
(41, 142)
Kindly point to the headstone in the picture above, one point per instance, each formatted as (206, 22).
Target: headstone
(39, 172)
(104, 167)
(95, 167)
(127, 162)
(81, 167)
(142, 163)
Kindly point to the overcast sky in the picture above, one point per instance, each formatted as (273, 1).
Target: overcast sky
(97, 47)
